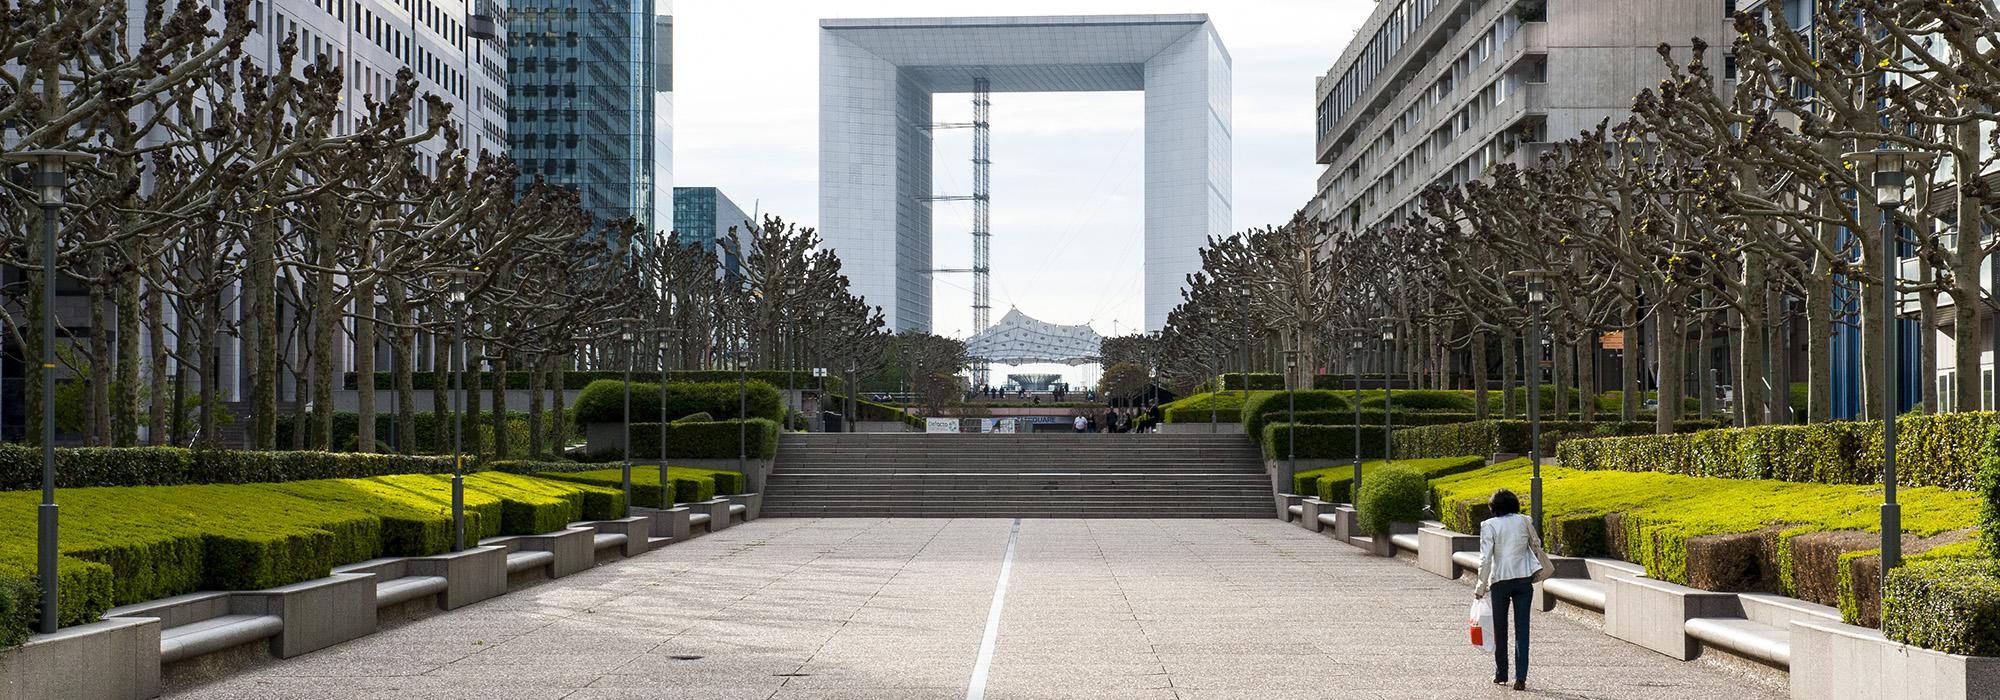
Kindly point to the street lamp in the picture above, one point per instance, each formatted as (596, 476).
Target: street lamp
(1354, 364)
(819, 406)
(1538, 290)
(1388, 388)
(625, 473)
(853, 371)
(743, 411)
(1890, 177)
(455, 297)
(1291, 410)
(51, 178)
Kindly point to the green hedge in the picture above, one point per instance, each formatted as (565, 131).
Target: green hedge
(1228, 407)
(1336, 484)
(1420, 400)
(1393, 494)
(1263, 405)
(425, 433)
(705, 440)
(1321, 441)
(574, 380)
(1492, 437)
(1259, 381)
(21, 466)
(1948, 605)
(604, 401)
(687, 484)
(1934, 450)
(865, 410)
(124, 545)
(1720, 534)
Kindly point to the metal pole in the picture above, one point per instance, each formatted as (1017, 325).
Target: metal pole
(625, 467)
(1291, 423)
(1211, 407)
(1388, 401)
(458, 431)
(45, 521)
(1535, 411)
(1892, 514)
(666, 485)
(742, 414)
(1355, 367)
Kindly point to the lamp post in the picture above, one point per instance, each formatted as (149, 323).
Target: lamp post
(1291, 410)
(455, 296)
(819, 406)
(51, 178)
(743, 411)
(1890, 179)
(1538, 290)
(1355, 365)
(666, 490)
(1388, 387)
(625, 473)
(847, 421)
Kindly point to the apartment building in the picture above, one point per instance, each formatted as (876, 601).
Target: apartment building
(1434, 91)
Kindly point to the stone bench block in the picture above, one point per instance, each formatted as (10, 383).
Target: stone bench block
(717, 510)
(1654, 614)
(318, 613)
(1289, 505)
(1435, 547)
(117, 659)
(673, 523)
(571, 547)
(472, 575)
(1309, 511)
(1346, 525)
(1576, 583)
(1834, 661)
(752, 504)
(638, 531)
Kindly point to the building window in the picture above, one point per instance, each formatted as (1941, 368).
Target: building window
(1986, 384)
(1947, 387)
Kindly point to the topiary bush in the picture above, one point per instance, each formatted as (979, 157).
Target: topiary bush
(705, 440)
(20, 604)
(1988, 488)
(1393, 494)
(1944, 450)
(603, 401)
(1947, 605)
(1321, 441)
(1421, 400)
(1335, 484)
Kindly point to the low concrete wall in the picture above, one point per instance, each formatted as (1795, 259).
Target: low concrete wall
(118, 659)
(318, 613)
(1834, 661)
(470, 576)
(1435, 545)
(1653, 613)
(882, 426)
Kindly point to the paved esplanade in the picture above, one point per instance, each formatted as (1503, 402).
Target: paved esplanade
(868, 608)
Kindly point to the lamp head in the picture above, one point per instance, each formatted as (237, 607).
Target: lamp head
(51, 176)
(1889, 173)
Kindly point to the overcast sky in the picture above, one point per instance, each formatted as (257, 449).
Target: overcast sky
(1068, 178)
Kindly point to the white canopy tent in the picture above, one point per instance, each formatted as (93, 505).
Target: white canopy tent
(1018, 340)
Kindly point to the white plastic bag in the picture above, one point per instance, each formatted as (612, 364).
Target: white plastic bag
(1481, 619)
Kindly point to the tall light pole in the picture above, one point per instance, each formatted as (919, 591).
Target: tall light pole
(743, 411)
(1890, 179)
(51, 179)
(625, 473)
(666, 490)
(1354, 363)
(1291, 410)
(455, 297)
(819, 375)
(1388, 387)
(1538, 290)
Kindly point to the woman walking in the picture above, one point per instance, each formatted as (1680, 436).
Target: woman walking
(1510, 562)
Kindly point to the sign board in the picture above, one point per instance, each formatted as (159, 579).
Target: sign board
(940, 425)
(1008, 425)
(1614, 340)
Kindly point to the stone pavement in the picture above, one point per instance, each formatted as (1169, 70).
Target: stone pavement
(886, 609)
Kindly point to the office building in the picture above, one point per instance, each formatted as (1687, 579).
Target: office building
(704, 215)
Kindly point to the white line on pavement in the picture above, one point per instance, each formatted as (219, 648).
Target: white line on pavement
(977, 690)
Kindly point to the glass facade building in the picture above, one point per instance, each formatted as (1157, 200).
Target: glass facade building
(703, 215)
(590, 103)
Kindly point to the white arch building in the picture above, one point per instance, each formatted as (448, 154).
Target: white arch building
(877, 79)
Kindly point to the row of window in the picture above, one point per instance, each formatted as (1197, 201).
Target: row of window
(1375, 56)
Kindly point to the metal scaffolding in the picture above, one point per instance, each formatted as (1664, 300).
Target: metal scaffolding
(982, 204)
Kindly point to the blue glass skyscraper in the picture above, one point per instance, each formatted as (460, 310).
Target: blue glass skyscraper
(590, 103)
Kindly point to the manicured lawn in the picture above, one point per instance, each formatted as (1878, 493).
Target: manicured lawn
(1335, 484)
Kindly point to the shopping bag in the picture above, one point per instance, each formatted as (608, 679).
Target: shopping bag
(1481, 621)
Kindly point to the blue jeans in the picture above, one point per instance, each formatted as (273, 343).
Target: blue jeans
(1512, 594)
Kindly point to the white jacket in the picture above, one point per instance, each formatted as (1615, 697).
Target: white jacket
(1507, 546)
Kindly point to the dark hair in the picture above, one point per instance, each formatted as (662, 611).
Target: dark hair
(1504, 502)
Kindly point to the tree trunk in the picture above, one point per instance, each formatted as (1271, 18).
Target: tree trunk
(1481, 402)
(1672, 337)
(475, 377)
(402, 360)
(364, 364)
(1754, 319)
(1704, 365)
(559, 423)
(444, 355)
(125, 387)
(97, 372)
(325, 333)
(537, 388)
(500, 405)
(1558, 352)
(260, 290)
(1630, 390)
(1819, 344)
(1509, 350)
(1586, 377)
(156, 331)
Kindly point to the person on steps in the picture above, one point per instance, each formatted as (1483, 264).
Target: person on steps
(1508, 560)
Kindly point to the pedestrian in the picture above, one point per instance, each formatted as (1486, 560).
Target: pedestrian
(1110, 420)
(1091, 424)
(1510, 562)
(1080, 423)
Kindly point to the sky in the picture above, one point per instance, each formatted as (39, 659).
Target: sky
(1068, 173)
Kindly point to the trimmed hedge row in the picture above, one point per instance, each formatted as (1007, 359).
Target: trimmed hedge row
(685, 484)
(1492, 437)
(705, 440)
(1948, 605)
(1228, 407)
(604, 401)
(865, 410)
(1263, 405)
(1259, 381)
(133, 544)
(1321, 441)
(427, 436)
(21, 466)
(1932, 450)
(1336, 484)
(1811, 541)
(518, 380)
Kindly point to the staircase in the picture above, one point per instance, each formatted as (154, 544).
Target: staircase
(1058, 475)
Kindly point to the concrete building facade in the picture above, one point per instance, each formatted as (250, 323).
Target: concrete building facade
(877, 81)
(1434, 91)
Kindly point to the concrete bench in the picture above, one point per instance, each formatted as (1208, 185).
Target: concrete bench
(523, 560)
(603, 541)
(1835, 661)
(1438, 550)
(738, 511)
(1408, 542)
(699, 520)
(717, 510)
(1764, 632)
(114, 659)
(1654, 614)
(216, 634)
(670, 524)
(571, 549)
(1580, 592)
(1295, 513)
(1315, 514)
(1581, 582)
(1291, 502)
(296, 619)
(745, 506)
(408, 588)
(630, 536)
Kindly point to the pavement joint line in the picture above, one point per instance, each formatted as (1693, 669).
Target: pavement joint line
(976, 689)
